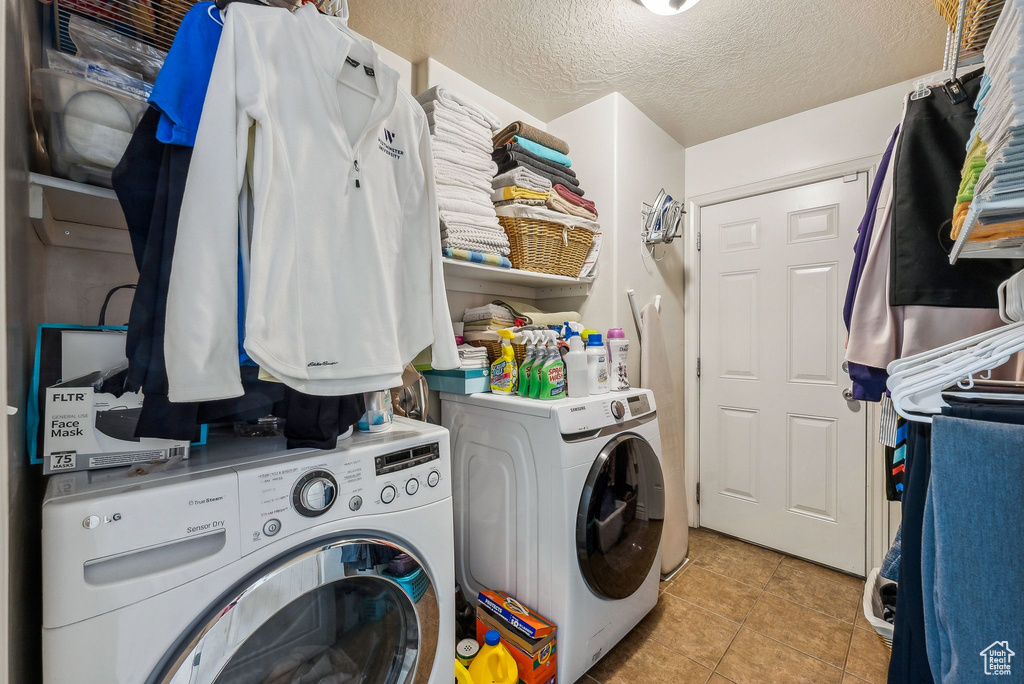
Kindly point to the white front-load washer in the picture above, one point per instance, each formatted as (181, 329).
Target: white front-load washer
(561, 504)
(251, 563)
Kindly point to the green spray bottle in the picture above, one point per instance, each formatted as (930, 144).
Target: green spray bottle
(525, 378)
(553, 381)
(541, 361)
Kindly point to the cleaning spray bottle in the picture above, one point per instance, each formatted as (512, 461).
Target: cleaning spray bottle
(525, 378)
(553, 386)
(545, 344)
(576, 367)
(504, 374)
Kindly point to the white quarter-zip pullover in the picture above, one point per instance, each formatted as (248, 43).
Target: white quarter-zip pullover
(345, 275)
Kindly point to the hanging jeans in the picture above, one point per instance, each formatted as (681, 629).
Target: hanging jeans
(909, 663)
(972, 555)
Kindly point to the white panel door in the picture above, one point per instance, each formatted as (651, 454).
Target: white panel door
(782, 453)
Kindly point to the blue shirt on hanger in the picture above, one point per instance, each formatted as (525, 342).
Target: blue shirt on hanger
(180, 87)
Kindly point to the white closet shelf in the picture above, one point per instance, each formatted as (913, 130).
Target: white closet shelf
(465, 276)
(69, 214)
(1005, 248)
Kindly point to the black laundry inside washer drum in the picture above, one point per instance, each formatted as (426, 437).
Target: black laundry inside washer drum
(620, 518)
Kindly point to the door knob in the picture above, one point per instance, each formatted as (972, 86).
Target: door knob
(848, 394)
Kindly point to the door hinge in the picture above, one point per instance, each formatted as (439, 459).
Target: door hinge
(849, 178)
(698, 241)
(698, 492)
(698, 366)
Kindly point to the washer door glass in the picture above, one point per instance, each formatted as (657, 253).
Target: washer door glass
(621, 513)
(334, 613)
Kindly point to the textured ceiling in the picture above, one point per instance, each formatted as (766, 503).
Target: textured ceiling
(721, 67)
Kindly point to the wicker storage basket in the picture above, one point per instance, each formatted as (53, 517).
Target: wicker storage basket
(546, 246)
(493, 348)
(979, 19)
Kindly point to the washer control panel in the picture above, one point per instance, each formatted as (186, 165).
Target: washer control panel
(409, 458)
(314, 493)
(288, 495)
(610, 409)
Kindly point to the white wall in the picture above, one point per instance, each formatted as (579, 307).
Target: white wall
(623, 159)
(400, 64)
(841, 131)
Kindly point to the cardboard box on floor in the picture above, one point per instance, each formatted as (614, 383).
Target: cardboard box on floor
(536, 658)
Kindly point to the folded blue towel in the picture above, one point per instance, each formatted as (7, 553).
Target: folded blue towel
(543, 151)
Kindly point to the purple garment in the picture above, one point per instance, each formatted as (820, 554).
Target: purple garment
(867, 226)
(868, 381)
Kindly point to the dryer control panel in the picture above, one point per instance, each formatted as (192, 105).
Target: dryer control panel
(280, 498)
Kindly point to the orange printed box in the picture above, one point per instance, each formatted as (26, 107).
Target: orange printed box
(515, 614)
(540, 668)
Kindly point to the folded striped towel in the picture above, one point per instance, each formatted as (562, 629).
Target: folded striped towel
(523, 178)
(535, 134)
(510, 192)
(477, 257)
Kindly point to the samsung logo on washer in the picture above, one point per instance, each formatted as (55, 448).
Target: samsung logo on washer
(576, 409)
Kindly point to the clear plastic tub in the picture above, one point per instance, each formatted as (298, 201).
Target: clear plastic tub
(89, 125)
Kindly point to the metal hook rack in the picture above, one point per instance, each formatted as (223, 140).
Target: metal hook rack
(661, 222)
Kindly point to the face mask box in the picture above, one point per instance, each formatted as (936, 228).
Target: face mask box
(84, 429)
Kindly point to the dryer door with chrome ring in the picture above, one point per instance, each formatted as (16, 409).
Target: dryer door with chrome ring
(621, 513)
(328, 613)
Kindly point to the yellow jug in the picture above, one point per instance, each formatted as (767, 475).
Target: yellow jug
(462, 675)
(494, 664)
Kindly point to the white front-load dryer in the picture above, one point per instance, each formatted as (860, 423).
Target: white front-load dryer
(250, 563)
(561, 504)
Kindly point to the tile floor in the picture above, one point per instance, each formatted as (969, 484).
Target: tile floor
(740, 613)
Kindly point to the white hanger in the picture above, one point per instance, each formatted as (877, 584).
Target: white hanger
(917, 382)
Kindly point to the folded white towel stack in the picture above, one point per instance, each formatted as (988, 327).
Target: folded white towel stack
(460, 139)
(472, 357)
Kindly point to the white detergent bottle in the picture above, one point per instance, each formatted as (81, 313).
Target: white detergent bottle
(576, 367)
(597, 365)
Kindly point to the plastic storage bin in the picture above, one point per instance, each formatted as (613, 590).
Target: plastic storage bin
(458, 381)
(415, 583)
(89, 125)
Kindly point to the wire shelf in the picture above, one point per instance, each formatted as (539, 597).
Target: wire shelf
(151, 21)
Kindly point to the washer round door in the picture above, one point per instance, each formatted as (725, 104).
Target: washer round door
(621, 513)
(324, 614)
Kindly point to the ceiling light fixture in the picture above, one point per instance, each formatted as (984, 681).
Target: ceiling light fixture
(667, 7)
